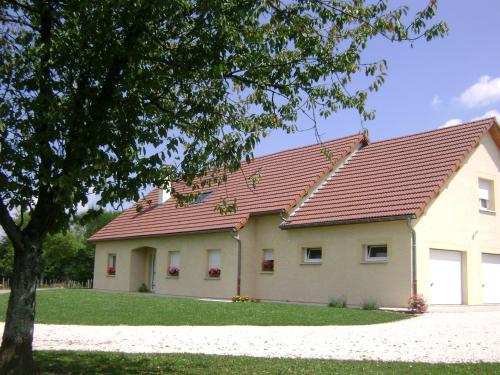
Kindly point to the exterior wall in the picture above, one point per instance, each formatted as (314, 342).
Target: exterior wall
(342, 271)
(453, 221)
(133, 265)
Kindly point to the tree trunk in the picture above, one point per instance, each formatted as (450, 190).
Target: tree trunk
(16, 352)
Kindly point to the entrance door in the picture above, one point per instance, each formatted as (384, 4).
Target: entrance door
(491, 278)
(153, 272)
(445, 277)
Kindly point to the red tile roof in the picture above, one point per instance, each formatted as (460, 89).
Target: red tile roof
(393, 178)
(285, 178)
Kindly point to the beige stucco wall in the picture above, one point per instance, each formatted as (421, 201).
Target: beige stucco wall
(453, 221)
(342, 271)
(133, 267)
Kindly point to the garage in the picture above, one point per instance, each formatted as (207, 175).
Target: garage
(491, 278)
(445, 277)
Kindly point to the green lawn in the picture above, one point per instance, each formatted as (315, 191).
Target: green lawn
(73, 306)
(116, 364)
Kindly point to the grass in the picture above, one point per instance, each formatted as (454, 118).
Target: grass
(184, 364)
(88, 307)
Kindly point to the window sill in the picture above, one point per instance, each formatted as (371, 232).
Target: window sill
(310, 263)
(171, 277)
(486, 211)
(266, 272)
(212, 278)
(385, 261)
(110, 275)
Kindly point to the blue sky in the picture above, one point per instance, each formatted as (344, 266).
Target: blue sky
(424, 86)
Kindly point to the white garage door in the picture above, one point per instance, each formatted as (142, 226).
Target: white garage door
(445, 277)
(491, 278)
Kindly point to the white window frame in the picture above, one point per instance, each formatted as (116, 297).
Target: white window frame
(370, 259)
(306, 255)
(210, 261)
(486, 194)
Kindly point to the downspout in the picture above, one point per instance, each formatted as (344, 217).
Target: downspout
(413, 257)
(238, 277)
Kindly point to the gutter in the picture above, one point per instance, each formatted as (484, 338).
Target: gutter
(344, 222)
(142, 236)
(413, 257)
(236, 237)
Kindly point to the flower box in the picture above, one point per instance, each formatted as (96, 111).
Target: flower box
(111, 271)
(214, 272)
(173, 271)
(268, 265)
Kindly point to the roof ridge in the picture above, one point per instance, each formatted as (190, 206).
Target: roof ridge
(360, 135)
(469, 123)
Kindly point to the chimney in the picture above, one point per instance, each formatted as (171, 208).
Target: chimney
(163, 195)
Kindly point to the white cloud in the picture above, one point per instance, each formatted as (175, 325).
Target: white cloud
(451, 122)
(484, 92)
(491, 113)
(436, 101)
(91, 203)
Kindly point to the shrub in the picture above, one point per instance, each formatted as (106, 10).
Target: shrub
(339, 302)
(370, 305)
(143, 288)
(417, 304)
(244, 299)
(111, 271)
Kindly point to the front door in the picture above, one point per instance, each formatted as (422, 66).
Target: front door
(153, 272)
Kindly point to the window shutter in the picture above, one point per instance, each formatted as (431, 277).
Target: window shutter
(174, 259)
(268, 254)
(484, 189)
(214, 259)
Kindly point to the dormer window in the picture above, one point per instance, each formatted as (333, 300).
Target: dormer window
(486, 196)
(202, 197)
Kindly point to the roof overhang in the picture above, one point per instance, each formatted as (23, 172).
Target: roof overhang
(205, 231)
(350, 221)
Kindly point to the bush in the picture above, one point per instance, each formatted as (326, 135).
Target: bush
(244, 299)
(143, 288)
(417, 304)
(370, 305)
(339, 302)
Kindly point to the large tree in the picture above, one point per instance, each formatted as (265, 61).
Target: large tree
(110, 96)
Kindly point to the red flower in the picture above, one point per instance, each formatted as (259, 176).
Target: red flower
(214, 272)
(111, 270)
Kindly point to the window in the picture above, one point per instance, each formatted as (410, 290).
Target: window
(312, 255)
(111, 270)
(214, 263)
(173, 263)
(202, 197)
(268, 260)
(375, 253)
(486, 195)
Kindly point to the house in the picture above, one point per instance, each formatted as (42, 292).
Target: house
(365, 220)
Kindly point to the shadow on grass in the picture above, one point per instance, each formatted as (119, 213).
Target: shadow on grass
(73, 363)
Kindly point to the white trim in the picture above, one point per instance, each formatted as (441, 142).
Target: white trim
(370, 259)
(325, 179)
(307, 259)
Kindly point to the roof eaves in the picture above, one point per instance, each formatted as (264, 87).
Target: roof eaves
(348, 221)
(203, 231)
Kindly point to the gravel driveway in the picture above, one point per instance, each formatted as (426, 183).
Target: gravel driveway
(434, 337)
